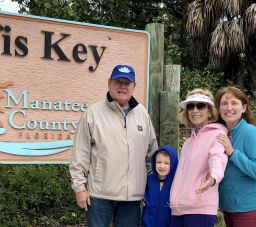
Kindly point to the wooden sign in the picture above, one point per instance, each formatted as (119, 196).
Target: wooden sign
(51, 71)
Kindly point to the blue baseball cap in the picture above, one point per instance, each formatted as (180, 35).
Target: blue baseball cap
(123, 71)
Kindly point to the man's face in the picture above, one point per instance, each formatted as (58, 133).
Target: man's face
(121, 90)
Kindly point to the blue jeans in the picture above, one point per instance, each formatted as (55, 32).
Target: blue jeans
(193, 220)
(103, 211)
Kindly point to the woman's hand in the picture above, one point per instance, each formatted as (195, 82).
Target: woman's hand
(209, 182)
(224, 140)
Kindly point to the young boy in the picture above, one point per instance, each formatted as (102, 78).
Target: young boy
(157, 211)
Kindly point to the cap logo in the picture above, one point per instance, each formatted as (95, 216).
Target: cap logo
(124, 70)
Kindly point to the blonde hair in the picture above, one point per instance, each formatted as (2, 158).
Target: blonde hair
(183, 115)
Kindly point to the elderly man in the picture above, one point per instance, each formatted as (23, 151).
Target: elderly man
(113, 144)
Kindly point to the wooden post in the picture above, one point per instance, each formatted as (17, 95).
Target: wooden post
(169, 99)
(156, 32)
(172, 78)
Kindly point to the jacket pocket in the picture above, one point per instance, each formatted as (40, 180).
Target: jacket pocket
(98, 174)
(193, 198)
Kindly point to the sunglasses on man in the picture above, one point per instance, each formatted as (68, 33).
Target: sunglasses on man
(199, 106)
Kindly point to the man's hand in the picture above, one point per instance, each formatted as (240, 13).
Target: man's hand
(210, 181)
(83, 199)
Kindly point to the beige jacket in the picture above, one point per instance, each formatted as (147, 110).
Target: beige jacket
(110, 151)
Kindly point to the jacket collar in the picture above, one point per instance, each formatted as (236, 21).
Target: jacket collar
(209, 127)
(239, 125)
(132, 102)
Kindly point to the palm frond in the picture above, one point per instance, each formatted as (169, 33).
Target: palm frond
(234, 7)
(199, 47)
(195, 24)
(215, 63)
(236, 40)
(250, 19)
(212, 11)
(218, 44)
(225, 3)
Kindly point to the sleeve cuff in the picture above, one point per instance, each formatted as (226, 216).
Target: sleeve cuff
(80, 188)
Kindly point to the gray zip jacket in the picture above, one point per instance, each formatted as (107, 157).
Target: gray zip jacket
(111, 151)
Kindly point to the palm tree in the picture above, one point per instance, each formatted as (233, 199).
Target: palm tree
(223, 32)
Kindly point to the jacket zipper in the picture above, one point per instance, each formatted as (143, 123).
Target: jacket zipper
(188, 154)
(125, 122)
(124, 117)
(127, 156)
(182, 167)
(158, 205)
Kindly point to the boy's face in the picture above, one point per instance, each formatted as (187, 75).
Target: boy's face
(163, 165)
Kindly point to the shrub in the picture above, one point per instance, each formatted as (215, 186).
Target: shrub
(37, 195)
(204, 79)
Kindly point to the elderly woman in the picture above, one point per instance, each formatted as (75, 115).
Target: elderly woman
(194, 194)
(238, 188)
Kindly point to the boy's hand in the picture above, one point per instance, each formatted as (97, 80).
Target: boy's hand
(210, 181)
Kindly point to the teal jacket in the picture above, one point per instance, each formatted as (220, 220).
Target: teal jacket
(237, 189)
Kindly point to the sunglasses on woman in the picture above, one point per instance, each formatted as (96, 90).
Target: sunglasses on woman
(199, 106)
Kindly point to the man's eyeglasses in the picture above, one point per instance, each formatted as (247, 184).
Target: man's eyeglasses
(199, 106)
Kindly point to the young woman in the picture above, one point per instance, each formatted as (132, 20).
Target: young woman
(194, 193)
(238, 187)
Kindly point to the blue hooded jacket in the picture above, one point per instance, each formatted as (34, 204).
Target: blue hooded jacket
(157, 211)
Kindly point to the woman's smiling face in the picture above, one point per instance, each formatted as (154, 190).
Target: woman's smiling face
(231, 109)
(198, 116)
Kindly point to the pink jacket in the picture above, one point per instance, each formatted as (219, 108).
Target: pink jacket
(200, 154)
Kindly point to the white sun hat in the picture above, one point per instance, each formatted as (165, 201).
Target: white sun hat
(196, 98)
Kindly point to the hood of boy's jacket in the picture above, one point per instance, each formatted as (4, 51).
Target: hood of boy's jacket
(173, 157)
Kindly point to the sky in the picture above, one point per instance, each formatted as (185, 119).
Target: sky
(9, 6)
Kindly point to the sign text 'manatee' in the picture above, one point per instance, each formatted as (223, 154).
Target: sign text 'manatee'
(43, 104)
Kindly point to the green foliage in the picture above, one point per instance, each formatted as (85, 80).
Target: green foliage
(121, 13)
(118, 13)
(205, 79)
(37, 195)
(56, 8)
(220, 220)
(172, 50)
(252, 101)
